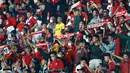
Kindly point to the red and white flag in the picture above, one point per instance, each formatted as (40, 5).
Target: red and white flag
(96, 25)
(38, 32)
(41, 44)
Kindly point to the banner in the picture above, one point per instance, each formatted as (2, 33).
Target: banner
(74, 5)
(66, 35)
(41, 44)
(118, 14)
(38, 32)
(96, 25)
(3, 46)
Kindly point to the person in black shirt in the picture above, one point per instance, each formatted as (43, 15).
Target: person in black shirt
(95, 53)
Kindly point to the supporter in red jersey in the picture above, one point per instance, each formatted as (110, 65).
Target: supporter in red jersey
(55, 65)
(27, 57)
(31, 21)
(20, 25)
(109, 62)
(11, 20)
(83, 65)
(121, 8)
(125, 64)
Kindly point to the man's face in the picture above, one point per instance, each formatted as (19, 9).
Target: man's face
(94, 13)
(53, 57)
(27, 50)
(83, 62)
(121, 4)
(20, 19)
(7, 15)
(14, 50)
(23, 5)
(110, 38)
(28, 15)
(43, 62)
(58, 19)
(106, 58)
(121, 19)
(42, 7)
(125, 57)
(105, 14)
(94, 39)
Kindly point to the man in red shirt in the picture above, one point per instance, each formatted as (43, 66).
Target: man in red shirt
(125, 64)
(20, 25)
(83, 65)
(27, 57)
(11, 20)
(31, 21)
(55, 65)
(109, 62)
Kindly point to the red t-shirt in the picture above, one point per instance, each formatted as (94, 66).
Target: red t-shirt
(86, 70)
(125, 66)
(17, 1)
(114, 8)
(32, 22)
(28, 59)
(84, 15)
(68, 58)
(96, 1)
(121, 9)
(111, 67)
(20, 26)
(37, 55)
(12, 21)
(2, 37)
(56, 64)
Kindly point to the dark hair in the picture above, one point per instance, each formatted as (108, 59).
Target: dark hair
(127, 53)
(123, 16)
(53, 52)
(106, 54)
(8, 12)
(96, 35)
(111, 34)
(83, 58)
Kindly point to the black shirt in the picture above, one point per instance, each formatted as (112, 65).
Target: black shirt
(95, 52)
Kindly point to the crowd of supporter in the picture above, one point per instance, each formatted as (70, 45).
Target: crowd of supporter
(65, 36)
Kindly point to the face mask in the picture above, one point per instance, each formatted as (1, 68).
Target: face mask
(69, 44)
(22, 33)
(109, 1)
(86, 40)
(59, 56)
(36, 30)
(51, 20)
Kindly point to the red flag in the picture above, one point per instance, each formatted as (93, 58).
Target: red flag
(118, 49)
